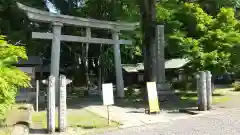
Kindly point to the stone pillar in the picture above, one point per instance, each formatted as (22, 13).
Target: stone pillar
(198, 88)
(118, 66)
(160, 46)
(202, 92)
(209, 89)
(51, 105)
(55, 55)
(62, 109)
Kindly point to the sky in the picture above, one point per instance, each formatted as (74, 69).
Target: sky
(53, 9)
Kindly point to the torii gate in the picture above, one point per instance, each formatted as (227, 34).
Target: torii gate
(59, 20)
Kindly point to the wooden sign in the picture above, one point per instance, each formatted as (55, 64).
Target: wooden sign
(107, 92)
(152, 97)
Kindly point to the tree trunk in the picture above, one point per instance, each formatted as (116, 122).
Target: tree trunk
(148, 24)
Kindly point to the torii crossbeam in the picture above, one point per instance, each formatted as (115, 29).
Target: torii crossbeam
(58, 21)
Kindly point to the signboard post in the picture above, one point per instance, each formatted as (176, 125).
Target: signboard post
(152, 97)
(108, 99)
(37, 94)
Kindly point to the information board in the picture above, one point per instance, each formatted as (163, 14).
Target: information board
(152, 97)
(107, 93)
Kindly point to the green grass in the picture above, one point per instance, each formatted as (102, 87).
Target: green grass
(5, 130)
(77, 118)
(215, 99)
(219, 96)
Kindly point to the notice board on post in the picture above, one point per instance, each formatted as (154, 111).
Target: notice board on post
(107, 93)
(152, 97)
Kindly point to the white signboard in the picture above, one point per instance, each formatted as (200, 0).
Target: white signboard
(152, 97)
(152, 90)
(107, 92)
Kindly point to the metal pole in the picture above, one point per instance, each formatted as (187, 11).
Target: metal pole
(209, 89)
(118, 66)
(108, 111)
(55, 55)
(37, 94)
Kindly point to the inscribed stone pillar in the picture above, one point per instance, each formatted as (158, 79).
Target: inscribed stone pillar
(198, 88)
(118, 65)
(51, 105)
(203, 92)
(160, 44)
(55, 55)
(62, 109)
(209, 89)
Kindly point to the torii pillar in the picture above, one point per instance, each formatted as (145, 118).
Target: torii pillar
(55, 54)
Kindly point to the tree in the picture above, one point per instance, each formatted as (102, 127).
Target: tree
(148, 26)
(209, 41)
(11, 78)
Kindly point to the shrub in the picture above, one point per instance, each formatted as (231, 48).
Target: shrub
(11, 78)
(236, 86)
(184, 85)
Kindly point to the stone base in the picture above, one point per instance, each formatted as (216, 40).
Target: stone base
(163, 86)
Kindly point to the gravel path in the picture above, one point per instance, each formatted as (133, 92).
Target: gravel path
(225, 122)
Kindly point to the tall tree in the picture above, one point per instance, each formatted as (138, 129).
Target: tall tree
(148, 25)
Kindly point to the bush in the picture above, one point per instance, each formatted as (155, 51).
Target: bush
(184, 85)
(11, 78)
(236, 86)
(131, 89)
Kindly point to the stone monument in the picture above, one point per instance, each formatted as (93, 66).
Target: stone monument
(62, 109)
(51, 105)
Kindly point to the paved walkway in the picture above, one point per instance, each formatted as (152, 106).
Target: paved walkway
(224, 122)
(129, 117)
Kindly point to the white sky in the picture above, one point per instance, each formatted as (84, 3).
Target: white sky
(53, 9)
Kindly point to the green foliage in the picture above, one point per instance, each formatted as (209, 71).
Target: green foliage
(11, 78)
(211, 42)
(236, 86)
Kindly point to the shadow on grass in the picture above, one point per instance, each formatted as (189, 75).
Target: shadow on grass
(85, 127)
(37, 131)
(169, 102)
(195, 94)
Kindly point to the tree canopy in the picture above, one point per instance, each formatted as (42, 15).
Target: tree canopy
(210, 42)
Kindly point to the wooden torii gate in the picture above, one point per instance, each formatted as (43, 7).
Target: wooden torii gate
(58, 21)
